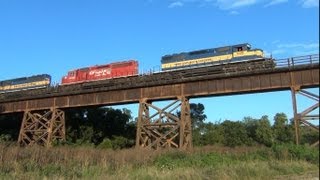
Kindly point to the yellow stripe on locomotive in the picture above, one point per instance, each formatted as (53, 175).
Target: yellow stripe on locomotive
(28, 85)
(196, 61)
(256, 52)
(234, 53)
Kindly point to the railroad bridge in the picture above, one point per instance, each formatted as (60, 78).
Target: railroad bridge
(44, 118)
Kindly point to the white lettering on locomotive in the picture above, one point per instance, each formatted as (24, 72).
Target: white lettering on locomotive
(100, 72)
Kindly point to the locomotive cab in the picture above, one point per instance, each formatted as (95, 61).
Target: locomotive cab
(244, 52)
(71, 74)
(248, 46)
(241, 47)
(70, 77)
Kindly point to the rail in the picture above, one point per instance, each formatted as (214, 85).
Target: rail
(291, 62)
(296, 61)
(169, 77)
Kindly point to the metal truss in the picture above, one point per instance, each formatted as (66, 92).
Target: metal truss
(42, 127)
(304, 117)
(164, 129)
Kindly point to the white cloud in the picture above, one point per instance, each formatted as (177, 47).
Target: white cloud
(296, 49)
(278, 51)
(175, 4)
(275, 2)
(238, 4)
(234, 4)
(234, 13)
(243, 3)
(299, 45)
(309, 3)
(222, 4)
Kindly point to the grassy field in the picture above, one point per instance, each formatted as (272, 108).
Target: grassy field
(279, 162)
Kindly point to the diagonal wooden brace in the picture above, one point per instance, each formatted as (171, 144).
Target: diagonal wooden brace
(42, 127)
(164, 128)
(304, 117)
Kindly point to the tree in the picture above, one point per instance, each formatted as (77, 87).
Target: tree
(108, 122)
(280, 120)
(10, 126)
(197, 122)
(282, 130)
(213, 134)
(197, 114)
(235, 134)
(96, 125)
(251, 126)
(308, 136)
(264, 134)
(259, 130)
(79, 129)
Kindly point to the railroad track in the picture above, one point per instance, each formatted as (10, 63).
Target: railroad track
(162, 78)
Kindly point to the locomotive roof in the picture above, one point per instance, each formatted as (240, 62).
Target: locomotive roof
(97, 65)
(27, 77)
(204, 50)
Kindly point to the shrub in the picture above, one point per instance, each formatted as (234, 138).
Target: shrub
(105, 144)
(235, 134)
(5, 138)
(169, 160)
(119, 142)
(299, 152)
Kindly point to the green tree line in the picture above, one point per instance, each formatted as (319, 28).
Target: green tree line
(249, 131)
(114, 128)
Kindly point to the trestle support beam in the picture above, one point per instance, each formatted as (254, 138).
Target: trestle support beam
(42, 127)
(304, 117)
(164, 128)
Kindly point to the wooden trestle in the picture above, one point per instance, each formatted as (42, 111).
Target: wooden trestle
(42, 127)
(304, 117)
(164, 128)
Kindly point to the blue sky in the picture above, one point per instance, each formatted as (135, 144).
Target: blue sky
(54, 36)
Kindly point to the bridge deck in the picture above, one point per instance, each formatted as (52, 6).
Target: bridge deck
(207, 81)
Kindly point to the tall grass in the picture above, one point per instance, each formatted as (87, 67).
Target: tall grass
(201, 163)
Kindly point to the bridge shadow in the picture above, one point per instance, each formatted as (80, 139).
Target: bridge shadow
(2, 109)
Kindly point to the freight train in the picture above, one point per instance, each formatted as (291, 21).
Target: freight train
(213, 56)
(206, 57)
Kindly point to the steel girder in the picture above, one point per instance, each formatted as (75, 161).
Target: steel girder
(163, 128)
(42, 127)
(304, 117)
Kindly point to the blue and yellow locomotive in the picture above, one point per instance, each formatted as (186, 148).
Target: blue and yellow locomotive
(227, 54)
(25, 83)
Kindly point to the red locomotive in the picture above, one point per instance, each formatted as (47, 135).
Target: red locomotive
(100, 72)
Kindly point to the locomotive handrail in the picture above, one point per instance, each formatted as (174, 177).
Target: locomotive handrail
(299, 60)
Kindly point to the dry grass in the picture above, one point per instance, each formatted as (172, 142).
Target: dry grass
(83, 155)
(91, 163)
(227, 150)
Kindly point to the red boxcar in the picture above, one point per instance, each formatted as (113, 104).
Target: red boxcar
(99, 72)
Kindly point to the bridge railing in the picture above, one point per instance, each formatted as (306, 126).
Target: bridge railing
(280, 63)
(299, 60)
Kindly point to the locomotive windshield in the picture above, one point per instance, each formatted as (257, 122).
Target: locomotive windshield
(248, 47)
(71, 73)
